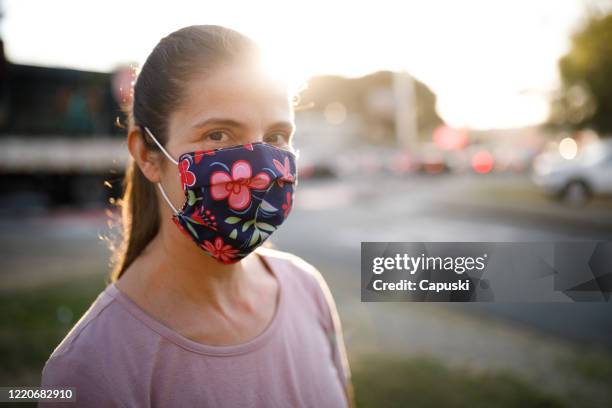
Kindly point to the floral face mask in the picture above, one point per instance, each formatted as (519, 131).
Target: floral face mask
(235, 197)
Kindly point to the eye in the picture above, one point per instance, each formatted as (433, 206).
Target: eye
(218, 136)
(276, 138)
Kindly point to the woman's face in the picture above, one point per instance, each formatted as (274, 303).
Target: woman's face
(228, 107)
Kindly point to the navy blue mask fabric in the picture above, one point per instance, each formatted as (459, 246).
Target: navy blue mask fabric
(235, 197)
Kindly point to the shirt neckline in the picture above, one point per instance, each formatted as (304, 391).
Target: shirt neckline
(203, 348)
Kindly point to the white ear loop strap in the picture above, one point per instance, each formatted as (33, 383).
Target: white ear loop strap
(166, 198)
(160, 146)
(171, 159)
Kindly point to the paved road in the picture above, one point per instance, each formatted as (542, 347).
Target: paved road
(332, 218)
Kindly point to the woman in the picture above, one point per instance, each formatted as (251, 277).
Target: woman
(227, 321)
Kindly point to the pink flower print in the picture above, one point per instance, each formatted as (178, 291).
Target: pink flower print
(187, 177)
(238, 185)
(249, 146)
(220, 250)
(287, 205)
(284, 170)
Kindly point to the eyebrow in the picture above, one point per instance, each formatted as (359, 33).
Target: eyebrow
(236, 124)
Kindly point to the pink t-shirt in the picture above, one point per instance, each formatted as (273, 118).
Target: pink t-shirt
(117, 355)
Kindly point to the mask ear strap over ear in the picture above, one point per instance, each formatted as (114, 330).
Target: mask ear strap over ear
(160, 146)
(171, 159)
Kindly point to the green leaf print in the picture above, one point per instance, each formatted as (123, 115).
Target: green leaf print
(232, 220)
(191, 197)
(247, 224)
(233, 234)
(265, 226)
(193, 231)
(254, 238)
(266, 206)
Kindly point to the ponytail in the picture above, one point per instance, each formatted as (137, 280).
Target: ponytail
(140, 215)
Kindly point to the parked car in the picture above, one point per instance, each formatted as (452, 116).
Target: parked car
(576, 180)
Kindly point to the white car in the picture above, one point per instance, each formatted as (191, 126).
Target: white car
(578, 179)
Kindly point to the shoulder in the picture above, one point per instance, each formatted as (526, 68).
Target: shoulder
(91, 383)
(80, 335)
(99, 348)
(79, 359)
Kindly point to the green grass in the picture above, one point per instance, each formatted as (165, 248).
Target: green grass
(34, 321)
(593, 365)
(388, 381)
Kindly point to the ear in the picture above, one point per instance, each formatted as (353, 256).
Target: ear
(146, 159)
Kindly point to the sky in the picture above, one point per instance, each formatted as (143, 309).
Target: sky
(492, 64)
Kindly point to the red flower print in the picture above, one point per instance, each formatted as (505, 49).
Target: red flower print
(187, 177)
(197, 218)
(249, 146)
(238, 185)
(197, 156)
(220, 250)
(285, 171)
(205, 218)
(287, 205)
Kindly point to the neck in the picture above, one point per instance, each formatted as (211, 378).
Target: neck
(172, 265)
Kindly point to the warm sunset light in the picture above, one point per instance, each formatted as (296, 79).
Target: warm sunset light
(485, 72)
(207, 203)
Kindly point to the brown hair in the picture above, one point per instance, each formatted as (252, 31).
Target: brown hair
(159, 88)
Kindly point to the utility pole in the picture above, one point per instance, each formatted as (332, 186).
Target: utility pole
(405, 111)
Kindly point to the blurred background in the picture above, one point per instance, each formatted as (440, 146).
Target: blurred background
(422, 121)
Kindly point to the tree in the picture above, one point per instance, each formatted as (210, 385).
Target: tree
(585, 97)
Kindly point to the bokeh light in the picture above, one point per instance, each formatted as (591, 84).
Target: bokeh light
(448, 138)
(482, 162)
(568, 148)
(335, 113)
